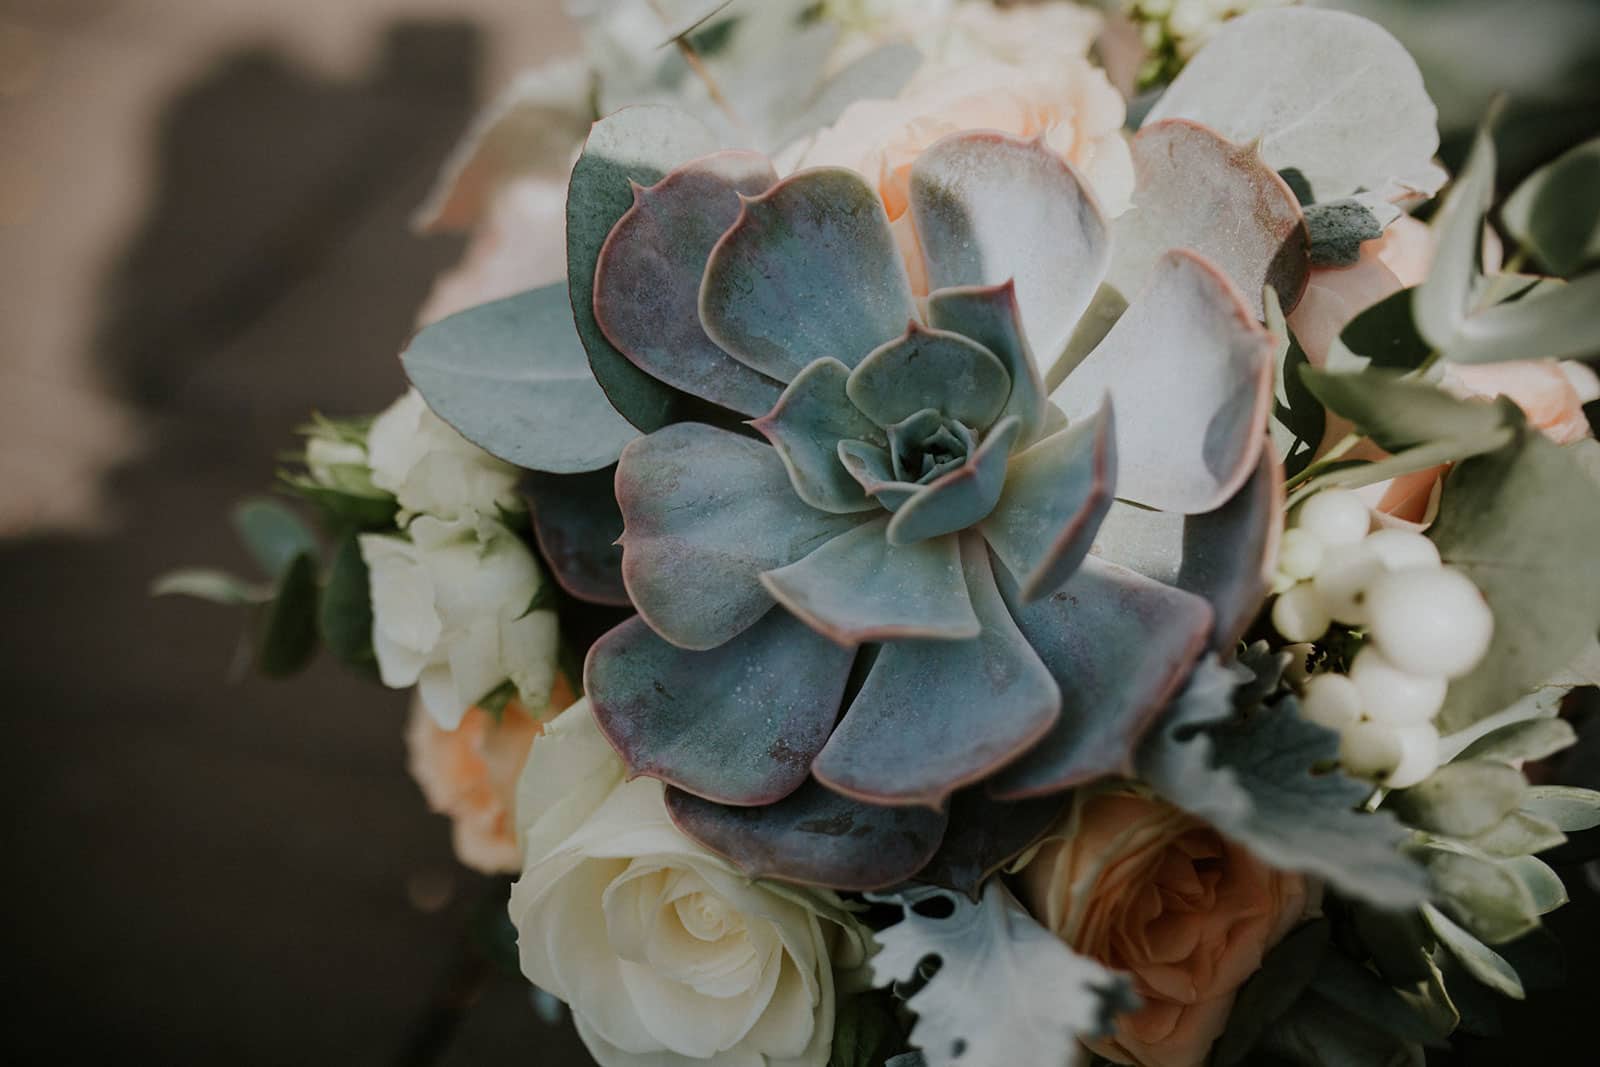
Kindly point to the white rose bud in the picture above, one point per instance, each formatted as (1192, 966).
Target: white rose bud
(328, 457)
(450, 615)
(667, 955)
(431, 469)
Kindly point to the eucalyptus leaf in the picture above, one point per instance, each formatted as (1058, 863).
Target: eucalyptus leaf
(275, 536)
(1442, 301)
(1544, 884)
(1386, 334)
(1568, 807)
(1533, 740)
(1554, 322)
(287, 638)
(204, 583)
(1480, 961)
(1555, 212)
(1461, 799)
(1518, 834)
(1480, 892)
(1399, 414)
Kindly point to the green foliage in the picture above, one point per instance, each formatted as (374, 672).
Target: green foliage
(1480, 891)
(1461, 799)
(342, 507)
(344, 619)
(209, 584)
(274, 535)
(1476, 958)
(1555, 213)
(1568, 807)
(1534, 739)
(1386, 334)
(287, 637)
(866, 1032)
(1285, 974)
(1298, 418)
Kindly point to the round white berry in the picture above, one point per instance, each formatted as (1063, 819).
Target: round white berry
(1335, 516)
(1343, 579)
(1369, 749)
(1299, 616)
(1299, 554)
(1331, 700)
(1394, 696)
(1430, 621)
(1419, 756)
(1398, 550)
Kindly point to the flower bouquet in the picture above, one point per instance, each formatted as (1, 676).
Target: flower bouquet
(937, 574)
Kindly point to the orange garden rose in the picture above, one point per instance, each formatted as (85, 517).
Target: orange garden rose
(470, 774)
(1144, 888)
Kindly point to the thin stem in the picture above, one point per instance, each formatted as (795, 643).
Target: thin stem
(1349, 441)
(701, 71)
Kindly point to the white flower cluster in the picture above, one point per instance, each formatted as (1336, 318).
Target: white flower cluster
(1189, 23)
(1424, 624)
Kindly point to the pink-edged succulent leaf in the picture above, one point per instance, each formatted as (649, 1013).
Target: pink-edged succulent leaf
(576, 524)
(1198, 190)
(806, 426)
(990, 208)
(633, 146)
(647, 279)
(930, 369)
(1189, 371)
(985, 834)
(810, 270)
(933, 716)
(1226, 555)
(859, 587)
(873, 468)
(1121, 647)
(814, 836)
(1056, 495)
(988, 314)
(510, 376)
(738, 724)
(705, 511)
(960, 497)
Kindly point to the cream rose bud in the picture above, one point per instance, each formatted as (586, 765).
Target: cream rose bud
(667, 955)
(431, 469)
(450, 615)
(327, 456)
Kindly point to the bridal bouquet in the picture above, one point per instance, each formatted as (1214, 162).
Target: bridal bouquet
(933, 575)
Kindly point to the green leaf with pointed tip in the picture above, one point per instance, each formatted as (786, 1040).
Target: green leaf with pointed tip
(1518, 834)
(1055, 496)
(1521, 522)
(215, 586)
(815, 837)
(988, 314)
(704, 513)
(859, 587)
(1555, 212)
(961, 497)
(873, 469)
(1480, 961)
(636, 145)
(1461, 799)
(934, 716)
(1182, 449)
(1198, 190)
(1542, 883)
(985, 835)
(935, 369)
(576, 523)
(809, 271)
(1442, 301)
(511, 377)
(647, 279)
(1557, 322)
(738, 724)
(980, 201)
(1397, 413)
(1480, 892)
(1533, 740)
(287, 638)
(1226, 555)
(1569, 807)
(344, 616)
(1119, 646)
(806, 427)
(1386, 333)
(274, 535)
(1268, 995)
(1368, 997)
(1330, 94)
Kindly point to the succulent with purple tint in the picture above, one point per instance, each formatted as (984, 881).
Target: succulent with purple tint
(884, 548)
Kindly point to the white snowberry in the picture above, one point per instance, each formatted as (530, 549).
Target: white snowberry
(1393, 696)
(1401, 549)
(1369, 749)
(1332, 700)
(1299, 615)
(1429, 621)
(1343, 579)
(1335, 516)
(1299, 554)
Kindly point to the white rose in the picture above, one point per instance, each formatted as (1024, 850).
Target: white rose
(450, 615)
(431, 469)
(667, 955)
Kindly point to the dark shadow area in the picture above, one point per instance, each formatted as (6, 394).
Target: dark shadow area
(201, 872)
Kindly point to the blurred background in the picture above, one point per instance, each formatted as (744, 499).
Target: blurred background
(204, 233)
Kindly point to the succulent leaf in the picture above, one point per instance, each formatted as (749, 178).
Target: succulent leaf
(810, 270)
(873, 468)
(510, 376)
(1120, 646)
(991, 209)
(647, 279)
(1329, 94)
(960, 497)
(814, 836)
(1056, 495)
(1191, 360)
(576, 523)
(704, 512)
(810, 420)
(933, 716)
(636, 145)
(1196, 189)
(738, 724)
(988, 314)
(935, 369)
(1226, 555)
(860, 587)
(985, 834)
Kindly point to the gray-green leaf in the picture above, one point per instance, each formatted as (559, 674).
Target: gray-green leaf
(274, 535)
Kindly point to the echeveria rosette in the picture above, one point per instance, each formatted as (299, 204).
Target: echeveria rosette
(912, 529)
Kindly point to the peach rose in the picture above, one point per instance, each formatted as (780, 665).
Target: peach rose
(470, 774)
(1142, 887)
(1067, 102)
